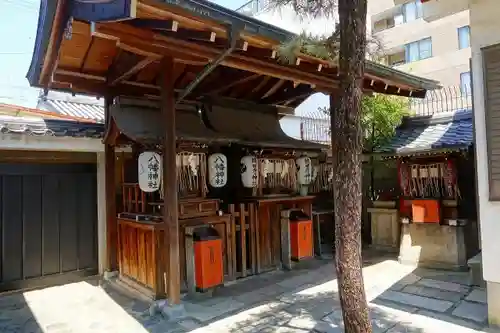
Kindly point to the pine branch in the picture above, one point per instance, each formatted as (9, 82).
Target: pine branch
(304, 8)
(318, 47)
(326, 48)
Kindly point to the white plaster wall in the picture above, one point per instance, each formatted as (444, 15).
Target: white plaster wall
(485, 27)
(101, 212)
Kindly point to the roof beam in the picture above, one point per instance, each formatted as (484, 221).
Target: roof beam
(54, 47)
(274, 88)
(92, 84)
(261, 85)
(244, 79)
(205, 36)
(149, 40)
(288, 95)
(163, 25)
(126, 65)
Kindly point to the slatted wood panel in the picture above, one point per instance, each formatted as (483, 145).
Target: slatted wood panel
(141, 253)
(243, 257)
(138, 250)
(48, 223)
(265, 236)
(491, 71)
(133, 198)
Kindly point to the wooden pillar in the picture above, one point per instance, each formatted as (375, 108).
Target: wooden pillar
(170, 214)
(110, 189)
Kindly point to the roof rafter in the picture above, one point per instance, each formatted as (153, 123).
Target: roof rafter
(245, 78)
(149, 40)
(289, 95)
(274, 88)
(126, 65)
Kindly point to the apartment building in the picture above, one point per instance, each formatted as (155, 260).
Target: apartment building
(437, 49)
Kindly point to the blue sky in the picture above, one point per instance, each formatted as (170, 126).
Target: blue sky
(232, 4)
(18, 21)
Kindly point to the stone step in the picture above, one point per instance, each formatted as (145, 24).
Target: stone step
(476, 271)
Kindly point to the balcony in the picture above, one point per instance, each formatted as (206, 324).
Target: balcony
(394, 59)
(253, 7)
(436, 9)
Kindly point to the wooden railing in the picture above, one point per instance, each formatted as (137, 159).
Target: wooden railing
(256, 232)
(250, 232)
(134, 199)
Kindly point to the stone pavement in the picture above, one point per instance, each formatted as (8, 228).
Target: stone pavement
(402, 299)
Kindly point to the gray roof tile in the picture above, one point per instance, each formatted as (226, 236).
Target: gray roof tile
(49, 127)
(90, 111)
(426, 133)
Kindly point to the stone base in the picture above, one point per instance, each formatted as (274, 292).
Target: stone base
(170, 312)
(433, 246)
(109, 275)
(493, 294)
(174, 312)
(382, 248)
(385, 229)
(476, 271)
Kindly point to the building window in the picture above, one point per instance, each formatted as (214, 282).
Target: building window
(419, 50)
(412, 11)
(463, 37)
(465, 83)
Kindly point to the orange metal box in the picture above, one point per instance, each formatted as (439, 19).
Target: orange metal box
(425, 211)
(301, 236)
(208, 264)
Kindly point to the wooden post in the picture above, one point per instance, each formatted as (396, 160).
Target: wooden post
(110, 189)
(170, 214)
(243, 241)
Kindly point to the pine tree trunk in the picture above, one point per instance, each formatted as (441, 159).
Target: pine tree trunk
(347, 154)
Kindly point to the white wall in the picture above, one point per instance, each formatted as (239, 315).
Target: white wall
(485, 27)
(102, 251)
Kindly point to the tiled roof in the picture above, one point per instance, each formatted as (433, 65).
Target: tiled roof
(49, 127)
(89, 111)
(427, 133)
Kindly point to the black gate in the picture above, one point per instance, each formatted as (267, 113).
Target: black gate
(48, 224)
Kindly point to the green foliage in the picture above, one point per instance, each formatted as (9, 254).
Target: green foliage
(316, 46)
(381, 114)
(321, 47)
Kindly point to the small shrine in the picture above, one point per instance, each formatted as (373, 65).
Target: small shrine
(430, 214)
(212, 189)
(240, 189)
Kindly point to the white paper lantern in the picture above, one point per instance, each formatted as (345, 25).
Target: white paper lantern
(249, 171)
(217, 170)
(304, 170)
(150, 171)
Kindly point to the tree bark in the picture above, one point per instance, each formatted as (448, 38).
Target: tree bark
(347, 154)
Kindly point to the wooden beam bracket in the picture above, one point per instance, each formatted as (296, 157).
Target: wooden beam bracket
(234, 35)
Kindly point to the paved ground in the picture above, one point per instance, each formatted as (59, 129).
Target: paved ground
(402, 299)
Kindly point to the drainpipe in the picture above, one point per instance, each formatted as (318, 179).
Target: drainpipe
(233, 36)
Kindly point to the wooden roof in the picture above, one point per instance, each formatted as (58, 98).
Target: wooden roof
(116, 46)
